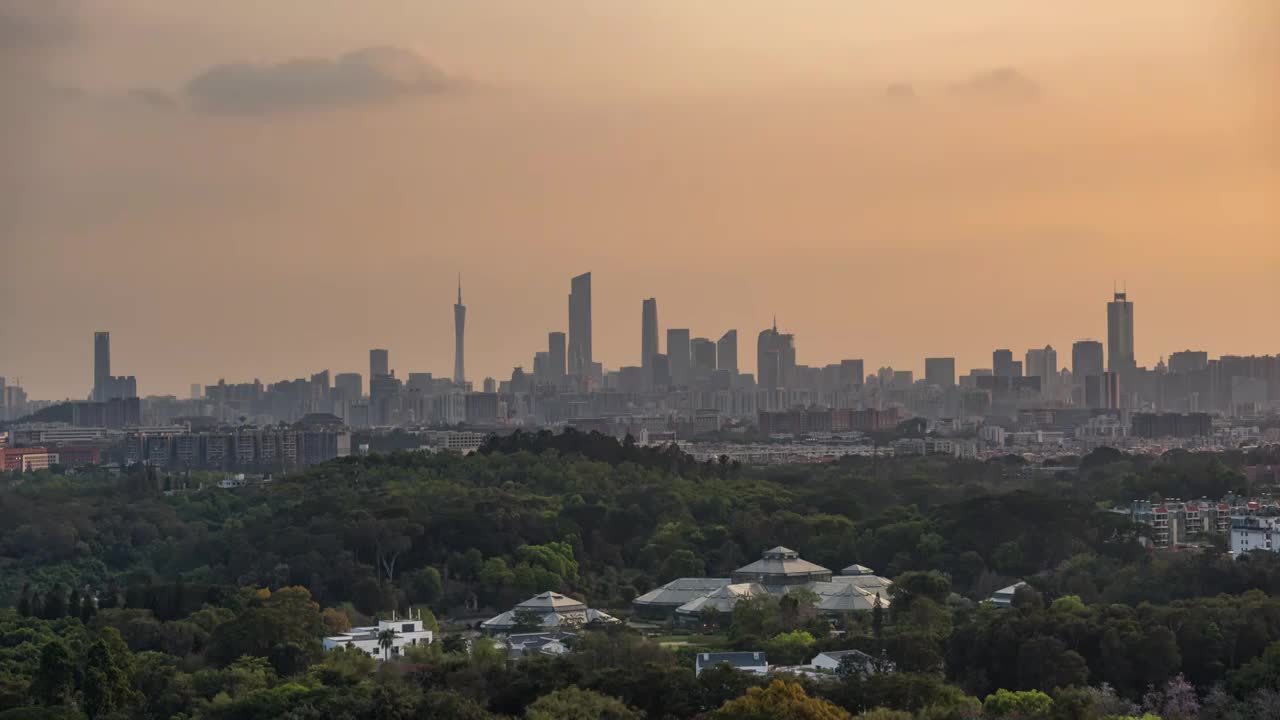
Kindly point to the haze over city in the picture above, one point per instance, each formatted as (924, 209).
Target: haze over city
(640, 359)
(891, 181)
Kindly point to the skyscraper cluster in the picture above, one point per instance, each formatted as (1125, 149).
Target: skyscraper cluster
(697, 379)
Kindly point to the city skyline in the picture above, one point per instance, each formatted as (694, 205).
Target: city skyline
(893, 183)
(379, 362)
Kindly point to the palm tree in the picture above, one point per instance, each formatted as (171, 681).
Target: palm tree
(385, 639)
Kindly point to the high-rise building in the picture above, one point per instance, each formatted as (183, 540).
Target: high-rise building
(775, 358)
(1086, 360)
(1120, 357)
(383, 388)
(852, 371)
(197, 390)
(940, 371)
(1102, 391)
(1002, 363)
(702, 354)
(1188, 361)
(727, 352)
(556, 367)
(422, 382)
(379, 363)
(542, 368)
(101, 364)
(661, 371)
(580, 357)
(678, 355)
(459, 328)
(1042, 363)
(349, 385)
(105, 385)
(648, 334)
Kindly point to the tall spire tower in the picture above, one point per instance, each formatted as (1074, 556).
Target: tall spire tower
(459, 327)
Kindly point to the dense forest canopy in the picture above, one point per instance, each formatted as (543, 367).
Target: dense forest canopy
(240, 584)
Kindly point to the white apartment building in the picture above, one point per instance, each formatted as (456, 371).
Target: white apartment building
(1255, 534)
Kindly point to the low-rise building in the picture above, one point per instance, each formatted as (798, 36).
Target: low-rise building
(855, 660)
(531, 644)
(457, 440)
(550, 610)
(752, 662)
(1004, 596)
(661, 603)
(28, 459)
(779, 571)
(397, 634)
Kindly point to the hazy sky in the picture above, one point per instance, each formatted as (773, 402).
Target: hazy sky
(265, 189)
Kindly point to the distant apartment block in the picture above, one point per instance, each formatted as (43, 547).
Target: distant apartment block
(245, 448)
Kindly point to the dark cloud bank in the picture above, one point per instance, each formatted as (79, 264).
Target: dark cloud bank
(375, 74)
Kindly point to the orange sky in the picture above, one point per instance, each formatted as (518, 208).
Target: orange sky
(734, 160)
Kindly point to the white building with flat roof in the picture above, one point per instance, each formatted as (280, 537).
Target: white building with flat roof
(1254, 533)
(403, 633)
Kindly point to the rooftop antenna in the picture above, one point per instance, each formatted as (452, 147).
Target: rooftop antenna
(459, 288)
(775, 323)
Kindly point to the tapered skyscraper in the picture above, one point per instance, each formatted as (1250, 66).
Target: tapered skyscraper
(459, 328)
(648, 334)
(775, 358)
(727, 352)
(580, 326)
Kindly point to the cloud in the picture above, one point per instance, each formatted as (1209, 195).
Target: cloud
(28, 24)
(1006, 84)
(375, 74)
(900, 92)
(153, 98)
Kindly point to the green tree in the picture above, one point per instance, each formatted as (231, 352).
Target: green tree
(55, 604)
(423, 585)
(791, 648)
(25, 601)
(1018, 705)
(910, 586)
(55, 679)
(107, 670)
(275, 625)
(87, 609)
(526, 621)
(573, 703)
(343, 667)
(386, 638)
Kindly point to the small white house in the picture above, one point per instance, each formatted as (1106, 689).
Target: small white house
(1003, 597)
(752, 662)
(405, 633)
(830, 661)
